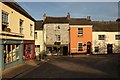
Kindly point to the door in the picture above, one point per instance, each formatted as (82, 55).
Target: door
(37, 50)
(65, 50)
(88, 47)
(109, 48)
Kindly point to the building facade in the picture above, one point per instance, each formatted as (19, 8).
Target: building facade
(80, 36)
(56, 35)
(16, 34)
(39, 42)
(106, 37)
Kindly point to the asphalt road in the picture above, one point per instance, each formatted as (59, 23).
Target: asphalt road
(84, 66)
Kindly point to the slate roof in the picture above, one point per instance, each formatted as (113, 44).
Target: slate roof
(107, 26)
(15, 6)
(49, 19)
(39, 25)
(79, 21)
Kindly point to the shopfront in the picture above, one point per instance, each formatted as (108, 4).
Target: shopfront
(11, 53)
(29, 49)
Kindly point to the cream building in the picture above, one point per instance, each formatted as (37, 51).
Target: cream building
(16, 33)
(39, 43)
(106, 37)
(56, 35)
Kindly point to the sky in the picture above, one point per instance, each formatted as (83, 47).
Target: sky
(99, 11)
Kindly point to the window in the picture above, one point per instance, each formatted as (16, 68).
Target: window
(21, 26)
(80, 47)
(37, 48)
(117, 37)
(96, 49)
(4, 20)
(101, 37)
(31, 31)
(58, 27)
(35, 35)
(11, 52)
(57, 37)
(80, 31)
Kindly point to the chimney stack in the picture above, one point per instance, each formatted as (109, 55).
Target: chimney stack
(88, 18)
(44, 16)
(68, 15)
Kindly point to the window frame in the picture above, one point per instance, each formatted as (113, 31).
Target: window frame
(31, 30)
(36, 36)
(21, 26)
(80, 31)
(80, 48)
(117, 37)
(58, 38)
(101, 38)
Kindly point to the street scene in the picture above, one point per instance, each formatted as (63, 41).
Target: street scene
(84, 66)
(59, 40)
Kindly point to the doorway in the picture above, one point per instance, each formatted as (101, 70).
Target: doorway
(65, 50)
(88, 47)
(109, 48)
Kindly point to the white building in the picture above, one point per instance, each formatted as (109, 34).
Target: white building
(106, 37)
(39, 42)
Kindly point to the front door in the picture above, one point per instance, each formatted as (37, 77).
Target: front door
(109, 48)
(65, 50)
(88, 47)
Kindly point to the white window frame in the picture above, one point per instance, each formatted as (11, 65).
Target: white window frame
(80, 33)
(78, 45)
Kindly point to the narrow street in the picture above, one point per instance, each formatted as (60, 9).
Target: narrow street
(84, 66)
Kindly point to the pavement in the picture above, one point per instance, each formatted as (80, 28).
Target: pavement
(19, 69)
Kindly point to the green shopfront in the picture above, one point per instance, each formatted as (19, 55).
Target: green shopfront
(10, 53)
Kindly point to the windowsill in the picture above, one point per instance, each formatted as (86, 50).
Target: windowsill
(80, 35)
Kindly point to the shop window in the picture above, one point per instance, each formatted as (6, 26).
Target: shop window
(10, 53)
(29, 49)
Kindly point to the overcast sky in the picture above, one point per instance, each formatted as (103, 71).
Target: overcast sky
(97, 10)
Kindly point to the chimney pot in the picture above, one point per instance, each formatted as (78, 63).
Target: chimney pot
(88, 18)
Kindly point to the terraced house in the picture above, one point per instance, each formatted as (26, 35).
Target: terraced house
(56, 34)
(16, 34)
(80, 35)
(39, 42)
(106, 37)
